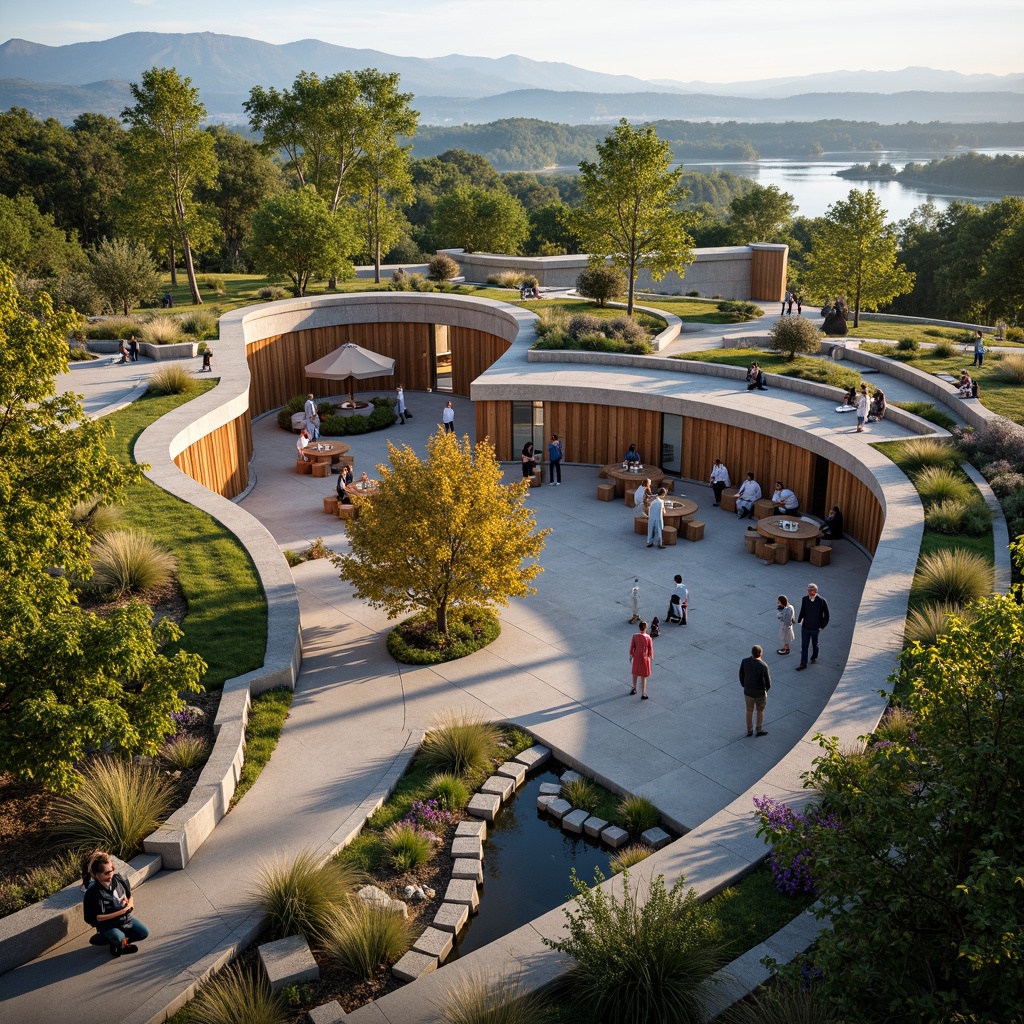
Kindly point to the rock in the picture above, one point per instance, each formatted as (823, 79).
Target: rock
(377, 897)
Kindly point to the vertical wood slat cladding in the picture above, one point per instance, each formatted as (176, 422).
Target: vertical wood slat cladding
(768, 275)
(599, 434)
(472, 352)
(220, 460)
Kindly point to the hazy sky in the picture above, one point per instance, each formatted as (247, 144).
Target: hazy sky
(686, 40)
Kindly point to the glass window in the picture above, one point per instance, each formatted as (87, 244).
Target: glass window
(527, 425)
(672, 443)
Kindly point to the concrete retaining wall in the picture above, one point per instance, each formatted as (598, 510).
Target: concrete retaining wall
(179, 350)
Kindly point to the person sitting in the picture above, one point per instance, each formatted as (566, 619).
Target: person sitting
(301, 443)
(832, 527)
(632, 457)
(755, 378)
(966, 385)
(785, 501)
(344, 480)
(642, 498)
(877, 410)
(749, 492)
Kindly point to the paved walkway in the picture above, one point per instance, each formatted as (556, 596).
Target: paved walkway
(559, 668)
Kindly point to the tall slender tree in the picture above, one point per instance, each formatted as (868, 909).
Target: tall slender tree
(168, 150)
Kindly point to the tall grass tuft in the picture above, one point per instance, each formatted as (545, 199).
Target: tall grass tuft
(95, 517)
(912, 456)
(162, 330)
(460, 744)
(480, 1000)
(581, 793)
(953, 577)
(407, 846)
(638, 814)
(448, 790)
(937, 484)
(625, 858)
(130, 562)
(301, 896)
(361, 939)
(199, 323)
(943, 349)
(1010, 368)
(172, 379)
(236, 997)
(184, 751)
(782, 1004)
(117, 805)
(896, 727)
(926, 624)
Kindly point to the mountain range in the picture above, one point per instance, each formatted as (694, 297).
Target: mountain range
(63, 81)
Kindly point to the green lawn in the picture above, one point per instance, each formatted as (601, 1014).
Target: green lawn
(689, 310)
(262, 732)
(923, 334)
(227, 612)
(824, 371)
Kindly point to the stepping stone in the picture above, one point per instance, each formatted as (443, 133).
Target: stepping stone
(327, 1013)
(471, 828)
(656, 837)
(514, 770)
(434, 942)
(593, 826)
(534, 756)
(614, 837)
(570, 776)
(414, 965)
(502, 785)
(545, 801)
(468, 846)
(288, 962)
(559, 808)
(550, 789)
(451, 917)
(462, 890)
(573, 821)
(467, 868)
(484, 805)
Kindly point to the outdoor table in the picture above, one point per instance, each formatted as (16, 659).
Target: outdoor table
(624, 478)
(360, 492)
(324, 451)
(799, 541)
(678, 510)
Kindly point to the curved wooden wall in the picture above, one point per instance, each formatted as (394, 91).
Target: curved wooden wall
(220, 460)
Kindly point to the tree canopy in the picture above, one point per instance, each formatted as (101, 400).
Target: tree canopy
(480, 220)
(466, 539)
(761, 215)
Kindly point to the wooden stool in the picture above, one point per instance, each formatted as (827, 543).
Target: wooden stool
(605, 492)
(821, 555)
(537, 478)
(321, 469)
(630, 495)
(303, 466)
(728, 503)
(781, 553)
(669, 535)
(763, 508)
(694, 530)
(765, 550)
(640, 525)
(346, 511)
(750, 539)
(331, 504)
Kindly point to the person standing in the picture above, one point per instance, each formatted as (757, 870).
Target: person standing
(529, 460)
(108, 904)
(719, 480)
(555, 453)
(862, 407)
(749, 492)
(133, 349)
(678, 603)
(400, 407)
(448, 418)
(641, 652)
(785, 615)
(756, 681)
(312, 419)
(813, 618)
(634, 595)
(207, 360)
(789, 305)
(979, 349)
(787, 298)
(656, 520)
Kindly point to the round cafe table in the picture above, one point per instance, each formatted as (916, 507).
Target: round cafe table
(623, 477)
(324, 451)
(799, 541)
(678, 510)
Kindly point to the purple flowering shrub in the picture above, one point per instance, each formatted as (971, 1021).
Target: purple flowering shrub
(429, 816)
(789, 833)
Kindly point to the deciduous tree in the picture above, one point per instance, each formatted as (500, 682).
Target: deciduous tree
(480, 220)
(762, 214)
(124, 273)
(629, 209)
(466, 539)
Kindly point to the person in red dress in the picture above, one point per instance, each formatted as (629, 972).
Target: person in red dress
(641, 651)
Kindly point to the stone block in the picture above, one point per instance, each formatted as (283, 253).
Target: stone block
(288, 962)
(545, 800)
(573, 821)
(451, 917)
(593, 826)
(533, 757)
(514, 770)
(414, 965)
(462, 890)
(559, 808)
(327, 1013)
(467, 867)
(477, 829)
(550, 789)
(484, 805)
(614, 837)
(377, 897)
(471, 847)
(501, 785)
(570, 776)
(656, 837)
(434, 942)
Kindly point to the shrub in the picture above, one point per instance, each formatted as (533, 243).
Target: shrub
(978, 520)
(162, 330)
(953, 577)
(173, 379)
(907, 345)
(913, 456)
(184, 751)
(1013, 509)
(1002, 484)
(300, 897)
(581, 793)
(460, 743)
(624, 328)
(115, 327)
(289, 409)
(448, 790)
(638, 963)
(271, 293)
(236, 997)
(784, 1004)
(694, 294)
(925, 624)
(117, 805)
(213, 283)
(943, 350)
(442, 268)
(792, 334)
(503, 1000)
(1010, 369)
(46, 879)
(583, 324)
(638, 814)
(625, 858)
(418, 283)
(360, 938)
(740, 312)
(1015, 333)
(94, 517)
(416, 641)
(936, 484)
(129, 562)
(1000, 440)
(408, 847)
(928, 412)
(602, 284)
(77, 292)
(201, 324)
(507, 279)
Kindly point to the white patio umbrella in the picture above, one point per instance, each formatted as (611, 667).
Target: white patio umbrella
(349, 362)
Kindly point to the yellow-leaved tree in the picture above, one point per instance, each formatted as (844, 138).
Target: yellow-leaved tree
(442, 532)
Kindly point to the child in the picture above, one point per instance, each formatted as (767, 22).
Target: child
(207, 359)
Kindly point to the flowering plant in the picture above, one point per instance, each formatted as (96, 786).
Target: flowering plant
(789, 833)
(428, 815)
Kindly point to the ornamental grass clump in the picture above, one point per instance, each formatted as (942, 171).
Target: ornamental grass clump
(638, 959)
(448, 790)
(184, 751)
(95, 517)
(638, 814)
(1010, 369)
(926, 624)
(408, 846)
(581, 793)
(162, 330)
(461, 744)
(953, 577)
(479, 1000)
(625, 858)
(129, 562)
(235, 996)
(173, 379)
(913, 456)
(361, 939)
(937, 484)
(784, 1004)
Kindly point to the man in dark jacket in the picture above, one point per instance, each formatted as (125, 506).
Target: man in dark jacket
(813, 618)
(756, 681)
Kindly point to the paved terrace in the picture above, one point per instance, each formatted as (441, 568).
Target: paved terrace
(559, 668)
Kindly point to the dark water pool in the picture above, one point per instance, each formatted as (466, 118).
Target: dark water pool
(527, 859)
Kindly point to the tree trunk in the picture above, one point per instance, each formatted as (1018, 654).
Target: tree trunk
(190, 270)
(629, 295)
(442, 617)
(376, 262)
(174, 265)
